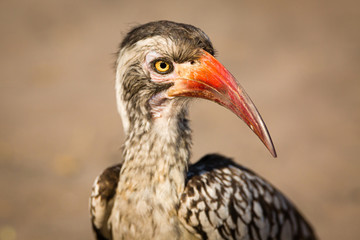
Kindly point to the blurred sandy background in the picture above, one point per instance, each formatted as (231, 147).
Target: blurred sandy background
(300, 63)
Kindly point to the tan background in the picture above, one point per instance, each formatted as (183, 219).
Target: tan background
(299, 61)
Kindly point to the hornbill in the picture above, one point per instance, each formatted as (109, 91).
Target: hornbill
(155, 193)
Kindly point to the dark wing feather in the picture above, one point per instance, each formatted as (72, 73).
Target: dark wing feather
(223, 200)
(102, 201)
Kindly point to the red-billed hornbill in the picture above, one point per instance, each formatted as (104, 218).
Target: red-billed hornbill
(154, 193)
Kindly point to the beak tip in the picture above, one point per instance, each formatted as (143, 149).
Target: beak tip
(273, 152)
(266, 139)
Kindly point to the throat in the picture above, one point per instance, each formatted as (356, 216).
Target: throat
(157, 149)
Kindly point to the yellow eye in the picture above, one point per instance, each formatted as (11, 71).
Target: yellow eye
(162, 67)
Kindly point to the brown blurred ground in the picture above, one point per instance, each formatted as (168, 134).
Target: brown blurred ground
(300, 63)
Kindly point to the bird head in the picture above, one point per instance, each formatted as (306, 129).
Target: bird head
(162, 65)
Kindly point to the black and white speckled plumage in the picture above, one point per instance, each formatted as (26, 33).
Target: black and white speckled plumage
(223, 200)
(153, 193)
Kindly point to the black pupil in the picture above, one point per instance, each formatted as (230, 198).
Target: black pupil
(163, 65)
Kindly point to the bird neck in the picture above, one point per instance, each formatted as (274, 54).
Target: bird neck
(156, 155)
(152, 178)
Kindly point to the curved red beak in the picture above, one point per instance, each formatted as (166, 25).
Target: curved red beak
(207, 78)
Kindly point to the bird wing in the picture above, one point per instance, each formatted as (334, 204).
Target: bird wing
(102, 201)
(223, 200)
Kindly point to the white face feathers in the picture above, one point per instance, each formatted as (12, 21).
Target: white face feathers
(145, 52)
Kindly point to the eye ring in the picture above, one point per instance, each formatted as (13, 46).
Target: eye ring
(162, 66)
